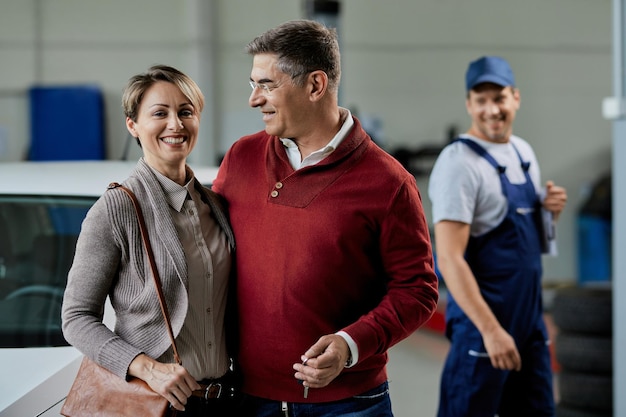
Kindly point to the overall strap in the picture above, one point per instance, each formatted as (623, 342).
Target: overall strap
(483, 152)
(524, 164)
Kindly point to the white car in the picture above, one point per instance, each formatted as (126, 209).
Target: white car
(42, 205)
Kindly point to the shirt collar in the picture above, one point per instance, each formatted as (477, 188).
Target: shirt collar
(318, 155)
(175, 194)
(337, 139)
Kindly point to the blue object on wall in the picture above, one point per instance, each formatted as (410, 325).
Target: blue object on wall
(594, 249)
(67, 123)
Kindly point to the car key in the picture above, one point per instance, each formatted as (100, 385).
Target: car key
(306, 389)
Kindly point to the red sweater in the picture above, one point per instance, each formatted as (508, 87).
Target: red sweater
(341, 245)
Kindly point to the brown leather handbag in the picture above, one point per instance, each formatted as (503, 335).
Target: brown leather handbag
(96, 392)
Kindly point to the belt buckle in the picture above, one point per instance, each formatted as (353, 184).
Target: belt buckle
(211, 388)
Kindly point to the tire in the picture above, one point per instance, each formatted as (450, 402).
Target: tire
(586, 391)
(583, 310)
(563, 410)
(584, 352)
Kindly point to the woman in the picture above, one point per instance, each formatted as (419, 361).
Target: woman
(192, 243)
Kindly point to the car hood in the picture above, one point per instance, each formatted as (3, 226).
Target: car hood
(36, 379)
(26, 368)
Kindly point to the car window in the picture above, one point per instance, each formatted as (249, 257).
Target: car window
(37, 240)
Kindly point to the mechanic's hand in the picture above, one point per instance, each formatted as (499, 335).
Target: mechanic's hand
(323, 361)
(555, 199)
(170, 380)
(502, 350)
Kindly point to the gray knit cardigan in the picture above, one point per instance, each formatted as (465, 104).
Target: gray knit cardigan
(110, 261)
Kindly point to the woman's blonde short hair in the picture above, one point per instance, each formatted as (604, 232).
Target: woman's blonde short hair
(139, 84)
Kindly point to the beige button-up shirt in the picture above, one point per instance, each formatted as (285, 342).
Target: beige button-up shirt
(202, 341)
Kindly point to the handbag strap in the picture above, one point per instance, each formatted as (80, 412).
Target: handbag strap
(155, 273)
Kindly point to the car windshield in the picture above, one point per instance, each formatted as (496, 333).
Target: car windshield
(37, 240)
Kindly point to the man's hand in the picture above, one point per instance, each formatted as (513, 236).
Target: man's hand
(324, 361)
(502, 350)
(555, 199)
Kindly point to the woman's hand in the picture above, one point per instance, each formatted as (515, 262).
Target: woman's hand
(170, 380)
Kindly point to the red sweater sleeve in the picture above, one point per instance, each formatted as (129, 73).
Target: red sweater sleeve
(412, 286)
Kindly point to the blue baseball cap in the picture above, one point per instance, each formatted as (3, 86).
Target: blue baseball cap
(489, 69)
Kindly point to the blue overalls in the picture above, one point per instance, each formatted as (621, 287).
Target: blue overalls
(507, 265)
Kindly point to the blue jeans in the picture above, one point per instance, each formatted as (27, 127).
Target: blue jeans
(373, 403)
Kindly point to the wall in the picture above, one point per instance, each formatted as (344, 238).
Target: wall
(403, 63)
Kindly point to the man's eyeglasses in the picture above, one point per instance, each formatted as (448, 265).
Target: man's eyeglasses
(265, 89)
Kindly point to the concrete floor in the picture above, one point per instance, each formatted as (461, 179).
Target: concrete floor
(414, 369)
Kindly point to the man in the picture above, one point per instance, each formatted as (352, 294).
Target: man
(487, 208)
(334, 262)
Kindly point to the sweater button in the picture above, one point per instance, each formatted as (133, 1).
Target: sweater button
(278, 185)
(274, 193)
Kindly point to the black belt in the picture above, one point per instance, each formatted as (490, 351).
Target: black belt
(214, 390)
(224, 387)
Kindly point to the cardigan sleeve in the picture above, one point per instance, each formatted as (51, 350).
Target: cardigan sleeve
(90, 280)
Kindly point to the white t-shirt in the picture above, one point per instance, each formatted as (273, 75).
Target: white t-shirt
(465, 187)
